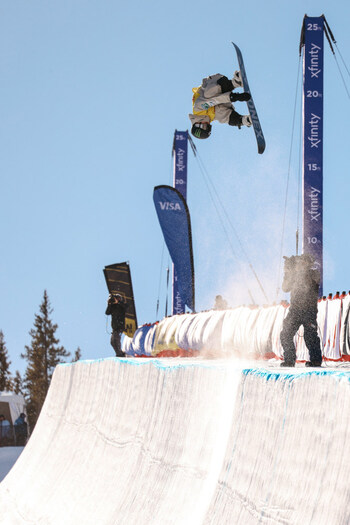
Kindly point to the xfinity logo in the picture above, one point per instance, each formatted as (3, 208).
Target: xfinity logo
(178, 306)
(314, 137)
(314, 68)
(180, 163)
(314, 204)
(172, 206)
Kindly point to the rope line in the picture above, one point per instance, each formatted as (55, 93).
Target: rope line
(287, 183)
(163, 245)
(341, 56)
(299, 178)
(330, 38)
(221, 212)
(167, 290)
(160, 278)
(342, 76)
(238, 238)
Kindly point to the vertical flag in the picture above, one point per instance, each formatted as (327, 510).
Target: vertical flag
(180, 184)
(175, 222)
(313, 141)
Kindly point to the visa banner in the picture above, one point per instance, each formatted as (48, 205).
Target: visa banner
(175, 222)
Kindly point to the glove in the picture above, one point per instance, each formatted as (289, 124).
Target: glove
(241, 97)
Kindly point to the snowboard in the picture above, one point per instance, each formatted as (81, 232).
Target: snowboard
(251, 106)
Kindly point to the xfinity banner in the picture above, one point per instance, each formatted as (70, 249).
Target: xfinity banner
(180, 183)
(313, 141)
(180, 162)
(174, 219)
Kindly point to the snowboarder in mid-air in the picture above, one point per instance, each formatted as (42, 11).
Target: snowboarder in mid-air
(302, 281)
(213, 101)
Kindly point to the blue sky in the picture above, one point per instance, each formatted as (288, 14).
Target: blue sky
(91, 93)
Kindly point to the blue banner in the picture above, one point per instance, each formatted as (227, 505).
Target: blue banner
(180, 162)
(180, 183)
(313, 141)
(174, 219)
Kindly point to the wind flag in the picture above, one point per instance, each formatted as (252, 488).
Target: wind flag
(175, 222)
(118, 280)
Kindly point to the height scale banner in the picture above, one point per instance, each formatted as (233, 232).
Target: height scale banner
(313, 141)
(180, 184)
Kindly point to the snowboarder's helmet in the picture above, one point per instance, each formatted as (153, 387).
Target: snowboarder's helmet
(201, 130)
(118, 296)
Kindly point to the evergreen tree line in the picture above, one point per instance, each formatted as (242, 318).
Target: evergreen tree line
(42, 356)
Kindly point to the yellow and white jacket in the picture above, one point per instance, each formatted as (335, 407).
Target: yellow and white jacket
(209, 103)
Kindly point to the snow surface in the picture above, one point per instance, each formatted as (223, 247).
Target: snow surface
(8, 457)
(173, 442)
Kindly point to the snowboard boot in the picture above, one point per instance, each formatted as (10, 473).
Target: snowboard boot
(237, 80)
(240, 97)
(313, 363)
(246, 121)
(287, 364)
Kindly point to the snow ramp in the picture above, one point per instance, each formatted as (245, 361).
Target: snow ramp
(170, 442)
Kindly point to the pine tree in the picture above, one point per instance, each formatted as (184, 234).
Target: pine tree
(5, 375)
(42, 356)
(77, 355)
(18, 384)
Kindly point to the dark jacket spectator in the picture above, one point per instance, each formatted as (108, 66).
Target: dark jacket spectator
(116, 308)
(302, 281)
(21, 430)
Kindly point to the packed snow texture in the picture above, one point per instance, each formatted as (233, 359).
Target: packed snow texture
(173, 442)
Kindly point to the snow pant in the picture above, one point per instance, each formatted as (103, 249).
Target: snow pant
(116, 343)
(295, 318)
(20, 437)
(215, 91)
